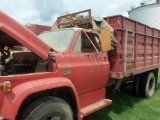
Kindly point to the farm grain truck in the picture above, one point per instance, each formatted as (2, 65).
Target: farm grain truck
(64, 73)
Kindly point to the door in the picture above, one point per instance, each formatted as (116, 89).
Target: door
(87, 70)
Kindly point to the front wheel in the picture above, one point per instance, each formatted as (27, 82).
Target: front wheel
(147, 86)
(48, 108)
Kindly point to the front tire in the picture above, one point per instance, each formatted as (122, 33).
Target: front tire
(48, 108)
(147, 86)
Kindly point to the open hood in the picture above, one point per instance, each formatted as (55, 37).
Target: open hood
(22, 35)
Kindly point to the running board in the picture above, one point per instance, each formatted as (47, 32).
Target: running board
(94, 107)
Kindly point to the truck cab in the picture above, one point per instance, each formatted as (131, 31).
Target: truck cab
(63, 68)
(83, 60)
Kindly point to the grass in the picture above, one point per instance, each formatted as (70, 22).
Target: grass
(126, 106)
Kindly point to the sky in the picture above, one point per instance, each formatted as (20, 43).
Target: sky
(45, 12)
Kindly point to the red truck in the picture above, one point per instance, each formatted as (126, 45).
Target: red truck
(65, 72)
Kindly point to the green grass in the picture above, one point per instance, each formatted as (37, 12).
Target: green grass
(126, 106)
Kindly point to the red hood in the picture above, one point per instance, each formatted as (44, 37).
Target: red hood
(23, 36)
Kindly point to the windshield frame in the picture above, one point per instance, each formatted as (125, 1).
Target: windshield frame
(69, 44)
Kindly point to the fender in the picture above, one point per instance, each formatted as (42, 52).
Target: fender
(14, 99)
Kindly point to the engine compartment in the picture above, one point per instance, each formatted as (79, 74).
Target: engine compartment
(21, 63)
(24, 63)
(15, 58)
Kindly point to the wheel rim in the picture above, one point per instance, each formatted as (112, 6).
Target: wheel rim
(151, 86)
(53, 117)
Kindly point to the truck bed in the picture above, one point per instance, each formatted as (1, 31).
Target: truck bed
(138, 48)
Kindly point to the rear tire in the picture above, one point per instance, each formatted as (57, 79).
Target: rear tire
(47, 108)
(147, 85)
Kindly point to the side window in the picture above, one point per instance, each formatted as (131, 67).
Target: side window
(90, 43)
(97, 41)
(77, 47)
(87, 45)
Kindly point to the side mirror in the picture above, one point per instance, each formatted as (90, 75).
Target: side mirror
(105, 35)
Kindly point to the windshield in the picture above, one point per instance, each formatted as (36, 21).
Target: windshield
(58, 40)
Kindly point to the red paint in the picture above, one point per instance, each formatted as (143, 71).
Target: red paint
(91, 105)
(37, 29)
(89, 72)
(24, 85)
(146, 46)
